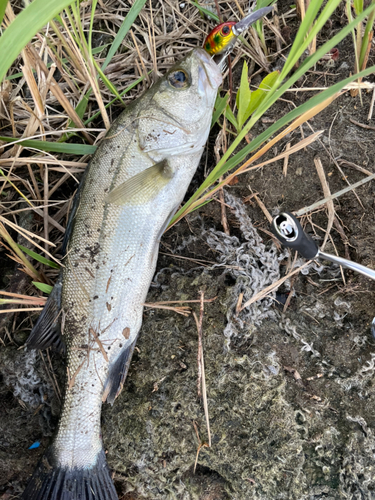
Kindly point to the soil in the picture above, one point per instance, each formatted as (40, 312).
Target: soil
(291, 396)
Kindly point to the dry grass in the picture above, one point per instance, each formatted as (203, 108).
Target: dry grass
(46, 100)
(47, 104)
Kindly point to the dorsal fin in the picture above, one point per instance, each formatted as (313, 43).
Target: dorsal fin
(73, 211)
(46, 331)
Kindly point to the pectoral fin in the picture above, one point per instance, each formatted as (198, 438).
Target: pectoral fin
(143, 186)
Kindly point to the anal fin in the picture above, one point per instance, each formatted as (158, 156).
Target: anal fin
(117, 374)
(141, 187)
(46, 331)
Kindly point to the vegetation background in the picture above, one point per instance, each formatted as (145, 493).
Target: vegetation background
(289, 369)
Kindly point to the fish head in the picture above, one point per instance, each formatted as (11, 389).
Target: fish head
(189, 89)
(184, 99)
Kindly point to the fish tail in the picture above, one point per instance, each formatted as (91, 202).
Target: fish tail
(53, 482)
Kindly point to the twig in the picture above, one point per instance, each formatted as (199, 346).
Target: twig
(239, 302)
(276, 23)
(341, 268)
(357, 167)
(200, 446)
(286, 160)
(320, 203)
(101, 347)
(218, 11)
(155, 304)
(263, 207)
(224, 220)
(327, 193)
(72, 380)
(45, 209)
(200, 348)
(371, 105)
(26, 297)
(220, 144)
(183, 310)
(260, 295)
(23, 309)
(289, 298)
(344, 238)
(363, 125)
(145, 72)
(201, 382)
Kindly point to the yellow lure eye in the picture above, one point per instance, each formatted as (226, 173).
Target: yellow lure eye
(225, 31)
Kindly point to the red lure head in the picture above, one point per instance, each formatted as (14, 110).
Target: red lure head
(220, 38)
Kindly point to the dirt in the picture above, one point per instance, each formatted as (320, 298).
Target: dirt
(291, 396)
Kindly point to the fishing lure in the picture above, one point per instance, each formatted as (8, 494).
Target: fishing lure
(223, 37)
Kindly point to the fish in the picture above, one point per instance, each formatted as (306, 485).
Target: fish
(129, 193)
(132, 187)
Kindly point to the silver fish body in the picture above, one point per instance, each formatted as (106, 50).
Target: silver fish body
(134, 184)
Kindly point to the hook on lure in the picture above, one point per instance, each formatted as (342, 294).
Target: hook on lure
(289, 232)
(220, 42)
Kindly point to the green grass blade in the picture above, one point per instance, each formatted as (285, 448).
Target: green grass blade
(260, 139)
(220, 105)
(258, 96)
(128, 21)
(3, 4)
(126, 25)
(107, 82)
(295, 51)
(54, 147)
(273, 95)
(206, 12)
(14, 187)
(320, 22)
(81, 107)
(292, 115)
(43, 287)
(358, 6)
(93, 9)
(230, 117)
(368, 28)
(80, 110)
(243, 97)
(115, 99)
(39, 258)
(263, 3)
(23, 28)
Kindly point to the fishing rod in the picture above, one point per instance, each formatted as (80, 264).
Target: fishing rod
(289, 232)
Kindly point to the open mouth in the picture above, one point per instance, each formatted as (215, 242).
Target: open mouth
(208, 73)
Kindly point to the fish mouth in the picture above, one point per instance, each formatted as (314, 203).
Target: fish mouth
(208, 72)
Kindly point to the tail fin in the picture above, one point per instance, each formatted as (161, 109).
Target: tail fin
(52, 482)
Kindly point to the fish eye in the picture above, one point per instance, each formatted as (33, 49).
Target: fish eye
(178, 79)
(225, 30)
